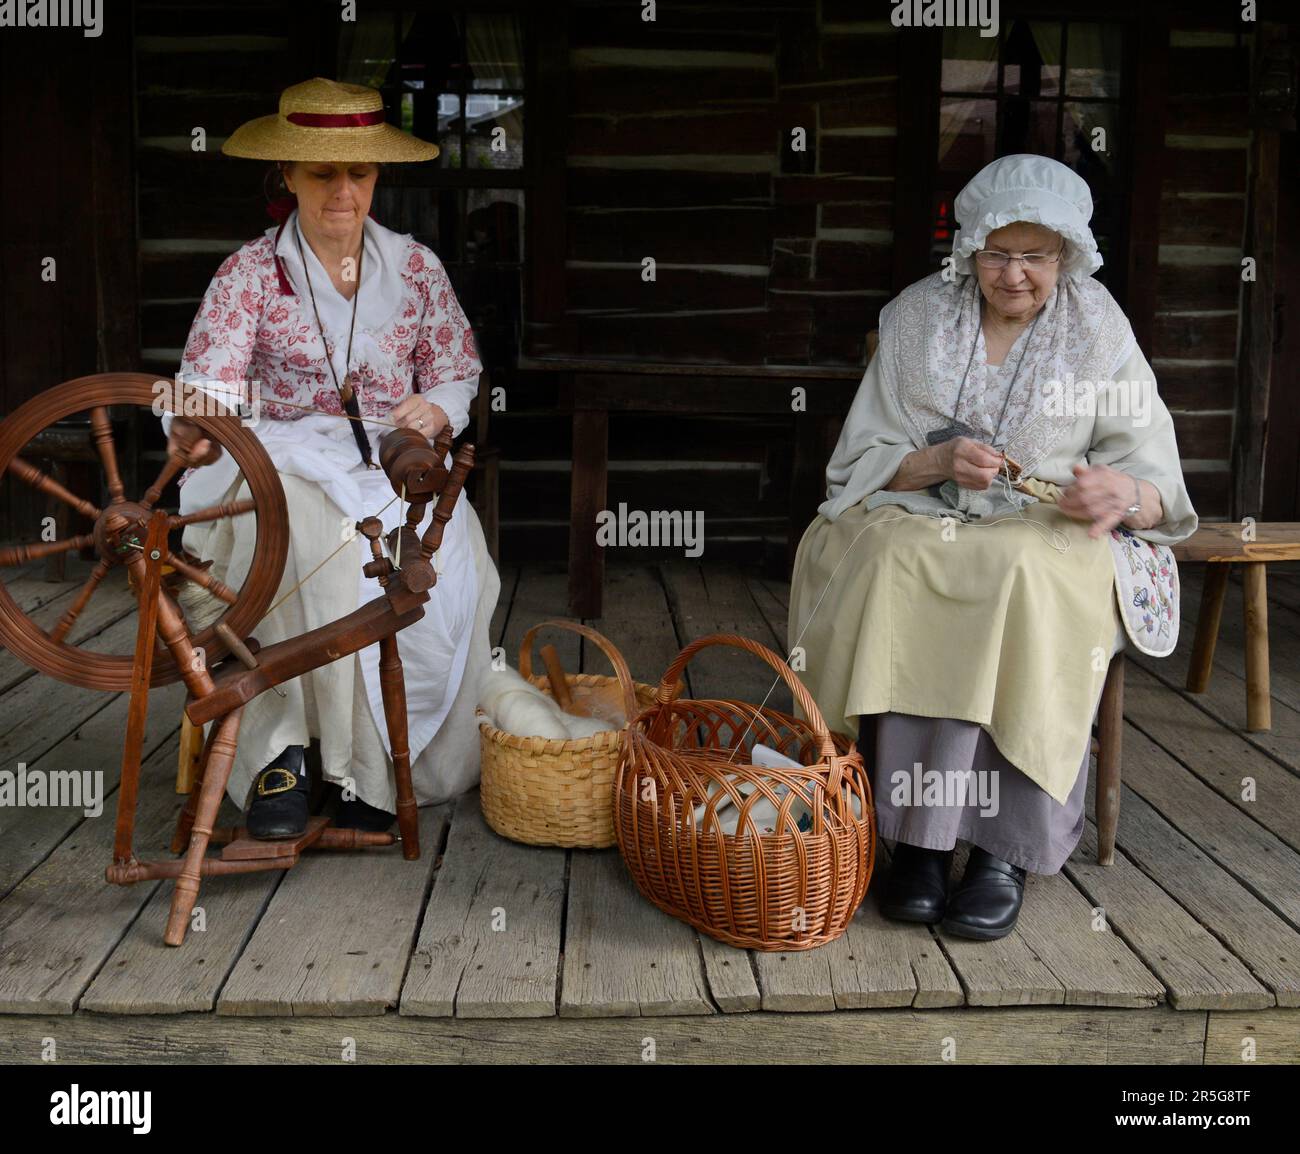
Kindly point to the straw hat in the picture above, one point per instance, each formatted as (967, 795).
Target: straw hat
(328, 121)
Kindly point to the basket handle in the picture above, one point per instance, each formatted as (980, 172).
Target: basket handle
(601, 642)
(671, 682)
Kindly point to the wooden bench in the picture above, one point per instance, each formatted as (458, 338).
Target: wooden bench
(1220, 545)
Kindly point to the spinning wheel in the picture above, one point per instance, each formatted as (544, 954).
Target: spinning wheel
(117, 532)
(134, 534)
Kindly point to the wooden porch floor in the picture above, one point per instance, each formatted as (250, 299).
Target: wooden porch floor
(485, 950)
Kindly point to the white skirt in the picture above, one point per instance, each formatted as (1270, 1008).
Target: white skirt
(445, 654)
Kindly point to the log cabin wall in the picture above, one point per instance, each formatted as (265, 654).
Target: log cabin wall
(749, 151)
(1199, 289)
(209, 67)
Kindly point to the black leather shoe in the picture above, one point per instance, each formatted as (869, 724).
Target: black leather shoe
(917, 890)
(278, 808)
(357, 814)
(987, 902)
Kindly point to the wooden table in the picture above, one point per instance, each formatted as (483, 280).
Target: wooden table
(1220, 545)
(592, 389)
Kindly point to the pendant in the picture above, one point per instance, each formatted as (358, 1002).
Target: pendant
(346, 389)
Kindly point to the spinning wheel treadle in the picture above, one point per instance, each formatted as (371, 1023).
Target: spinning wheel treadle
(134, 534)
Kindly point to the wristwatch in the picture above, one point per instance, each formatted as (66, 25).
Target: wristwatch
(1134, 509)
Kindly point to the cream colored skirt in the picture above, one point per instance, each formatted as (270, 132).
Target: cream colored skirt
(892, 612)
(445, 655)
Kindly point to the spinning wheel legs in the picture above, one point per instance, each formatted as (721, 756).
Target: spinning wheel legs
(219, 761)
(393, 686)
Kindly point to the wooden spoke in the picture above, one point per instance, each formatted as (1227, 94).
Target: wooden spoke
(214, 513)
(102, 429)
(34, 477)
(173, 466)
(65, 623)
(21, 554)
(202, 577)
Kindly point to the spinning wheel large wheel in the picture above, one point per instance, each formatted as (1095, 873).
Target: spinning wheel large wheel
(119, 529)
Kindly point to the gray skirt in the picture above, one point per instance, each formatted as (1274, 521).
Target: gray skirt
(964, 789)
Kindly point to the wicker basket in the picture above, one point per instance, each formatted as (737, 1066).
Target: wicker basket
(547, 791)
(791, 889)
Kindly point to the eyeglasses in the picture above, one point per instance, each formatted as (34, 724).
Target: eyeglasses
(991, 258)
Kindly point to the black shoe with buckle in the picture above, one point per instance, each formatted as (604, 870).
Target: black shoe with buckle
(917, 890)
(987, 902)
(278, 808)
(357, 814)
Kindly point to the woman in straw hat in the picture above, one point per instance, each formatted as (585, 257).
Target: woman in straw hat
(327, 315)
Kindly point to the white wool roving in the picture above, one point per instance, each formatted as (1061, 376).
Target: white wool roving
(587, 726)
(519, 707)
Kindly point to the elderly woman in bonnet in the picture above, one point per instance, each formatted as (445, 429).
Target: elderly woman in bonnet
(1006, 474)
(340, 328)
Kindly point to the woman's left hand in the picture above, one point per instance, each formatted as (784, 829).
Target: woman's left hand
(1099, 494)
(414, 412)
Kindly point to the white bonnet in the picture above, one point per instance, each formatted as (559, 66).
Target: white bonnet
(1025, 187)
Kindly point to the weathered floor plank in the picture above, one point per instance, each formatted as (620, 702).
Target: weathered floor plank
(61, 923)
(1196, 969)
(1263, 941)
(1270, 1037)
(325, 945)
(879, 962)
(144, 976)
(489, 946)
(1260, 861)
(1215, 754)
(1059, 1036)
(28, 836)
(623, 957)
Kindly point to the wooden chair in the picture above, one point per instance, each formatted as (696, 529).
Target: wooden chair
(486, 482)
(1107, 745)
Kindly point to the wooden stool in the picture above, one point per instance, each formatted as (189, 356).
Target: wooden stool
(1219, 545)
(1107, 746)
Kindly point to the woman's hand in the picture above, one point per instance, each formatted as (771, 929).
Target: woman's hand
(186, 440)
(426, 418)
(972, 464)
(1101, 495)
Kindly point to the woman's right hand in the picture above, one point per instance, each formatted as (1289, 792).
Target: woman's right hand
(187, 441)
(972, 464)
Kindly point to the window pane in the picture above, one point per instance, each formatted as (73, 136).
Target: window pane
(970, 61)
(1032, 58)
(449, 130)
(966, 135)
(494, 51)
(496, 131)
(368, 48)
(1088, 146)
(1027, 126)
(1093, 53)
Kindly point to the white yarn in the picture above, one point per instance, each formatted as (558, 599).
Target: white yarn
(519, 707)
